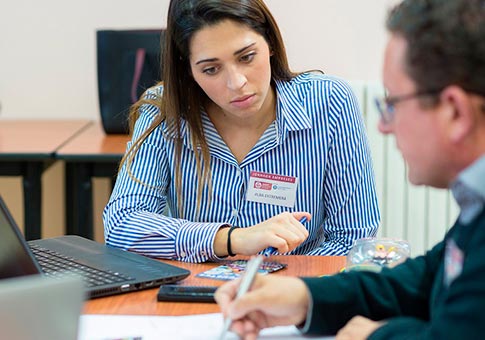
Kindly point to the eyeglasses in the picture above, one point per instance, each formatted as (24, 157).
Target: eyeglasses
(386, 105)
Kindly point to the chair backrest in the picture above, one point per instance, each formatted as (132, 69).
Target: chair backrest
(128, 63)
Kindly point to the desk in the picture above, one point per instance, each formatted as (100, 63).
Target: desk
(145, 302)
(27, 148)
(91, 153)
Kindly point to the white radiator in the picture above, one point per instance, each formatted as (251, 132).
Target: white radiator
(420, 215)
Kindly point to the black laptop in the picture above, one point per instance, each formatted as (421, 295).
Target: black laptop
(105, 270)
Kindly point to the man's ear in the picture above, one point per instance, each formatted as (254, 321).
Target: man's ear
(459, 111)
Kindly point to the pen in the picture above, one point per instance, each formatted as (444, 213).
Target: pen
(271, 250)
(246, 282)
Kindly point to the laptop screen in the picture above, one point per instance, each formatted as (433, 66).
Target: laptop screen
(15, 257)
(35, 307)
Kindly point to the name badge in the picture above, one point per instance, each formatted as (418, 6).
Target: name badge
(454, 258)
(272, 189)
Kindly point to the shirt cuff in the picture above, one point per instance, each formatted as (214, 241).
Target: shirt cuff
(195, 241)
(305, 325)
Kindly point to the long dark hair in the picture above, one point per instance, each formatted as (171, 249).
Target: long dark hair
(182, 98)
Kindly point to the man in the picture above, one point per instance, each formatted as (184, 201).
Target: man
(434, 73)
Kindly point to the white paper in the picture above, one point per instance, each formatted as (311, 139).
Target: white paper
(203, 326)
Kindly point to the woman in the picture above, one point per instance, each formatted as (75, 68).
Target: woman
(240, 148)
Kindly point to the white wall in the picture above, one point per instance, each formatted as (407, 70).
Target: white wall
(48, 55)
(48, 70)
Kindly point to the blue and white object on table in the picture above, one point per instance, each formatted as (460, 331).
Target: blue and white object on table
(271, 250)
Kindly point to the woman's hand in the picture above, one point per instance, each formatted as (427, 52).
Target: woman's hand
(283, 232)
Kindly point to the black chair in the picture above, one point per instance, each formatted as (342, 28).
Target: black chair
(128, 63)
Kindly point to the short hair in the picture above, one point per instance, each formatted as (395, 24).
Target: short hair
(446, 42)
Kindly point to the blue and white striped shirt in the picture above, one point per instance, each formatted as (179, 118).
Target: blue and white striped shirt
(318, 136)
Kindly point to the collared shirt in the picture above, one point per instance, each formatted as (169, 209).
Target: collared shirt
(469, 191)
(318, 136)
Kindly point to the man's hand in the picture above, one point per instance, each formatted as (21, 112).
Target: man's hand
(272, 301)
(358, 328)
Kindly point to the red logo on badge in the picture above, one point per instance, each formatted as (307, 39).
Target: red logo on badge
(262, 185)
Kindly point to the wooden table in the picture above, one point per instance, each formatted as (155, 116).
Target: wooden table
(27, 148)
(145, 302)
(91, 153)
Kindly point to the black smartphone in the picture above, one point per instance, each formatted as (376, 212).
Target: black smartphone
(186, 293)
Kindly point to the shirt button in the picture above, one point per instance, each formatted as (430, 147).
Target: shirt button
(234, 212)
(183, 254)
(203, 253)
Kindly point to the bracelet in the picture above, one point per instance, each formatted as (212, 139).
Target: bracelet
(229, 249)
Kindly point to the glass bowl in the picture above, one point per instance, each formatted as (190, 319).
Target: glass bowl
(375, 253)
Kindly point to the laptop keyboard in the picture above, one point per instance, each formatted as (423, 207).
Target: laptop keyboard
(56, 265)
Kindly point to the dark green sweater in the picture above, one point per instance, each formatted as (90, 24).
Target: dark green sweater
(412, 297)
